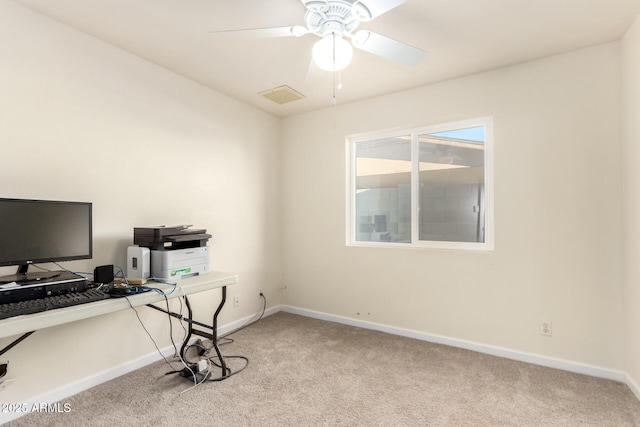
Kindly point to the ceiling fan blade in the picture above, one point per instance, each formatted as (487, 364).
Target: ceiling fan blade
(366, 10)
(295, 30)
(388, 48)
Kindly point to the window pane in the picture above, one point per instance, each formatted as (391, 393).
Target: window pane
(383, 190)
(451, 196)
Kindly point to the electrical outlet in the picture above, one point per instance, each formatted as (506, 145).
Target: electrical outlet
(236, 301)
(546, 328)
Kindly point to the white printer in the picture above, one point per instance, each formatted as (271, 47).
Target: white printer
(179, 263)
(176, 252)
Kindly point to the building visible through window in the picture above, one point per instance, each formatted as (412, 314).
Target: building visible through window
(423, 186)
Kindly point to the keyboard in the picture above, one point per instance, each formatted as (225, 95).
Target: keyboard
(50, 303)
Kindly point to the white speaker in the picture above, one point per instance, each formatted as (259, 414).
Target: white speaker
(138, 262)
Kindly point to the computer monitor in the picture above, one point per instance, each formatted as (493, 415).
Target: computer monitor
(39, 231)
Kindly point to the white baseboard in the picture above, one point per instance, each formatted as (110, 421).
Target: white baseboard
(86, 383)
(112, 373)
(635, 388)
(536, 359)
(225, 329)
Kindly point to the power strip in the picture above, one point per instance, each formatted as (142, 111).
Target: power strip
(198, 370)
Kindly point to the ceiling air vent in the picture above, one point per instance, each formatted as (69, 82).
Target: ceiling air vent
(281, 94)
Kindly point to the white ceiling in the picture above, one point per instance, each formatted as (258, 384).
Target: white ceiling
(462, 37)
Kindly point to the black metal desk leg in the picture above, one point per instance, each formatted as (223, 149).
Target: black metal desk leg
(214, 331)
(189, 328)
(214, 328)
(15, 343)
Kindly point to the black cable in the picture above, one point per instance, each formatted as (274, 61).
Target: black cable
(65, 269)
(202, 350)
(246, 325)
(228, 372)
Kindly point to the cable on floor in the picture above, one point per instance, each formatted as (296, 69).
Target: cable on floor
(215, 360)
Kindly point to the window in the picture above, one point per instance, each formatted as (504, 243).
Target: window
(424, 187)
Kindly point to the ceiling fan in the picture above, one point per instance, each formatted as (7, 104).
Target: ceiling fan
(337, 20)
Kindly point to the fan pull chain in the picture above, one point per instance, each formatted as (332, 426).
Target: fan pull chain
(334, 101)
(336, 87)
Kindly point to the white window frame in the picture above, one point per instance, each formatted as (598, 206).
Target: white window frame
(351, 142)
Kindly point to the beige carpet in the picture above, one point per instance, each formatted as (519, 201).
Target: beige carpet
(306, 372)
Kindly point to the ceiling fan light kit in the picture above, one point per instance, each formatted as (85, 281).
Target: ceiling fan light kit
(336, 20)
(332, 53)
(341, 18)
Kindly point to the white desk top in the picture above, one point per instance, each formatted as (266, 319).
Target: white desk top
(32, 322)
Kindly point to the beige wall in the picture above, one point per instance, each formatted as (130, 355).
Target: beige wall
(631, 197)
(557, 214)
(82, 120)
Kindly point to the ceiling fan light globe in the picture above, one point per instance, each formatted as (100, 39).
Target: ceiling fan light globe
(323, 53)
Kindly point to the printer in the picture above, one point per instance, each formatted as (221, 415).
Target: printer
(175, 252)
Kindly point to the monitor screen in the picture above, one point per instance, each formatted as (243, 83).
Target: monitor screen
(34, 231)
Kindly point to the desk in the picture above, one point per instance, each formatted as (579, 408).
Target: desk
(27, 324)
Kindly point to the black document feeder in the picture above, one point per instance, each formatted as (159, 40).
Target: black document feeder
(170, 238)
